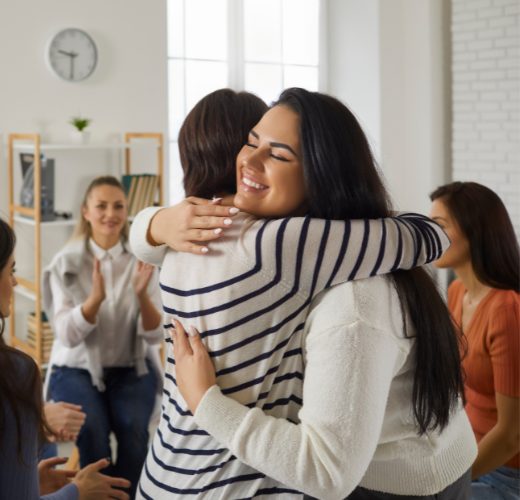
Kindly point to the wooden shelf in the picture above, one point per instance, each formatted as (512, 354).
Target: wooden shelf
(52, 223)
(31, 142)
(29, 146)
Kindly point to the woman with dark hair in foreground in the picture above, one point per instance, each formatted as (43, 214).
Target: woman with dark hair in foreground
(22, 423)
(484, 301)
(381, 399)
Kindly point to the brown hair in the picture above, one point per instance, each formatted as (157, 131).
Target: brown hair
(83, 229)
(211, 137)
(484, 221)
(20, 380)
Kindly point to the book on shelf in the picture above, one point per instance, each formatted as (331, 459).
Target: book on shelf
(140, 191)
(47, 335)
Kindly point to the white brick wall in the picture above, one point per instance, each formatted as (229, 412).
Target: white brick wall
(485, 65)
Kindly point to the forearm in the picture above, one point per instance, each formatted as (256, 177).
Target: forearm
(141, 247)
(494, 450)
(90, 309)
(150, 316)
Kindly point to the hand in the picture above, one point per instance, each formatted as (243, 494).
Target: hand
(65, 419)
(191, 220)
(93, 485)
(142, 277)
(193, 367)
(51, 480)
(98, 282)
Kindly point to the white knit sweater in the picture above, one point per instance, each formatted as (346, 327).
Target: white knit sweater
(249, 298)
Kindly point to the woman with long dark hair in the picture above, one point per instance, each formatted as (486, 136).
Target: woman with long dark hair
(23, 427)
(249, 298)
(484, 300)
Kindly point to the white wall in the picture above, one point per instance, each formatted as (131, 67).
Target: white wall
(387, 62)
(485, 98)
(127, 93)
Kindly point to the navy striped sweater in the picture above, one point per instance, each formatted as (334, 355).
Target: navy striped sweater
(249, 299)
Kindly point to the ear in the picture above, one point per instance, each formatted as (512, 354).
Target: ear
(84, 211)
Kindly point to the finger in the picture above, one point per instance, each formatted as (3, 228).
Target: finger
(76, 417)
(120, 495)
(210, 222)
(97, 265)
(196, 341)
(216, 210)
(203, 234)
(139, 265)
(51, 439)
(119, 482)
(181, 342)
(70, 473)
(100, 464)
(216, 201)
(70, 406)
(52, 462)
(189, 247)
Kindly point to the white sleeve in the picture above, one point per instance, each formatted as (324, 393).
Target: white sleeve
(156, 335)
(345, 393)
(138, 241)
(71, 327)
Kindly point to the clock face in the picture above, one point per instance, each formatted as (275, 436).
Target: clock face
(71, 55)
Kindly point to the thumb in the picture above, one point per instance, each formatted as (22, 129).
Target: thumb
(195, 339)
(52, 462)
(100, 464)
(97, 265)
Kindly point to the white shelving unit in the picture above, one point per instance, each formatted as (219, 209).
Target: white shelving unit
(32, 217)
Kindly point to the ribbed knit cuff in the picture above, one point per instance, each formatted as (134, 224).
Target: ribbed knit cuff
(220, 416)
(138, 242)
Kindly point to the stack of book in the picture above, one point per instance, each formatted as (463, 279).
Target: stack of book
(47, 335)
(140, 191)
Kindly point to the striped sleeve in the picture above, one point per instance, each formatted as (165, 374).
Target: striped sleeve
(314, 254)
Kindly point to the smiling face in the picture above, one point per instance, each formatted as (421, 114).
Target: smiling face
(269, 168)
(458, 254)
(106, 211)
(7, 283)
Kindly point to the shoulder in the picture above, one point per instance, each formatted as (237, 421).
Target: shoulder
(21, 368)
(374, 301)
(504, 303)
(72, 254)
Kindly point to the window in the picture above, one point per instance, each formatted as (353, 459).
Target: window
(261, 46)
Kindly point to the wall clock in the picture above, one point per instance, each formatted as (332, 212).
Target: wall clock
(71, 55)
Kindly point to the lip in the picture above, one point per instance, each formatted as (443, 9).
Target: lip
(111, 224)
(250, 189)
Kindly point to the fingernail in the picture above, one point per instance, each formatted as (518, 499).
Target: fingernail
(204, 250)
(218, 231)
(193, 331)
(228, 222)
(216, 199)
(109, 459)
(234, 210)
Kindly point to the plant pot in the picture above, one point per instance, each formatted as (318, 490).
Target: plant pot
(80, 136)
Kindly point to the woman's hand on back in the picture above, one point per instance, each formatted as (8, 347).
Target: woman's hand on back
(93, 485)
(190, 221)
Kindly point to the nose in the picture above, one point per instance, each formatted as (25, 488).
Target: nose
(254, 160)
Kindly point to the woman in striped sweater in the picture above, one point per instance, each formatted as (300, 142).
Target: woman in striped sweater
(250, 301)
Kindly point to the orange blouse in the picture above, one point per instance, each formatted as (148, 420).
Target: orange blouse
(493, 360)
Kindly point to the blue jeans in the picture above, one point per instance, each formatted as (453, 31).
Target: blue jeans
(501, 484)
(124, 408)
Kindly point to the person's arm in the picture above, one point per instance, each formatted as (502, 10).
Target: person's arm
(146, 286)
(71, 326)
(345, 392)
(502, 442)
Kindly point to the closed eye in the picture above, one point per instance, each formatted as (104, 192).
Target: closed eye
(251, 145)
(279, 158)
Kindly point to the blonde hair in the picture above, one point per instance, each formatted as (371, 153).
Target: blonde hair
(83, 229)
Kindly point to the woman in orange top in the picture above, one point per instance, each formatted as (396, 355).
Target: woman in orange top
(484, 301)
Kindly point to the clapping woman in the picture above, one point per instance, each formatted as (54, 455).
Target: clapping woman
(103, 305)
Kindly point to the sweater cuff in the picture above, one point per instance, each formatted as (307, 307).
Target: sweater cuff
(69, 492)
(81, 323)
(138, 238)
(219, 415)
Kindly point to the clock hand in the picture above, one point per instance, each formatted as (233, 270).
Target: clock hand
(70, 54)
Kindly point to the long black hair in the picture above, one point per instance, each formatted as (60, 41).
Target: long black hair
(484, 221)
(343, 182)
(20, 380)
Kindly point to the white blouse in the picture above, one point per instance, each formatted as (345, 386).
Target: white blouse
(114, 319)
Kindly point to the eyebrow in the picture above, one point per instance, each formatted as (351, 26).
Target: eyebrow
(275, 144)
(441, 218)
(14, 264)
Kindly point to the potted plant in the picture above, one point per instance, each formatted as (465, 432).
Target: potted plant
(80, 136)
